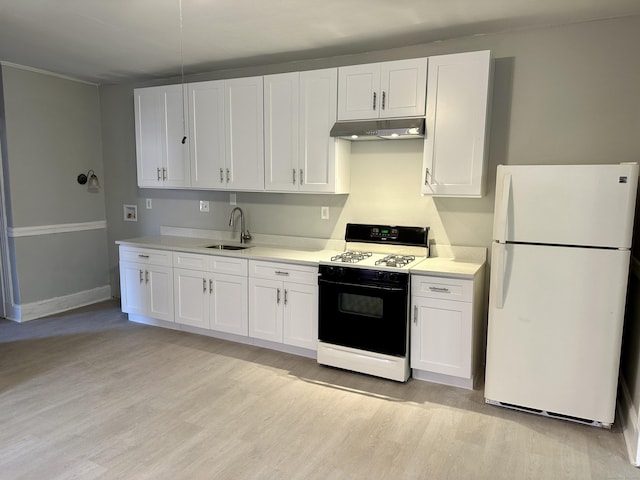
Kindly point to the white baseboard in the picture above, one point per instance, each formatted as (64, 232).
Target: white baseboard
(443, 379)
(30, 311)
(629, 420)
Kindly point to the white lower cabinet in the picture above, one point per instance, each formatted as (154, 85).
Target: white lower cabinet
(283, 303)
(145, 283)
(208, 297)
(446, 329)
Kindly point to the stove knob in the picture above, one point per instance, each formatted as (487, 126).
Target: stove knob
(393, 277)
(380, 275)
(331, 271)
(341, 271)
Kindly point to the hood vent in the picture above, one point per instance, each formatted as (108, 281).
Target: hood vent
(396, 129)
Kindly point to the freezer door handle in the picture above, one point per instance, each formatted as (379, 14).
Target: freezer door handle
(502, 210)
(499, 265)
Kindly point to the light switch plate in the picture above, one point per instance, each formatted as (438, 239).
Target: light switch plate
(204, 205)
(149, 206)
(232, 199)
(324, 213)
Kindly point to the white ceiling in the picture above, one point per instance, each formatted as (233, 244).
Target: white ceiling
(112, 41)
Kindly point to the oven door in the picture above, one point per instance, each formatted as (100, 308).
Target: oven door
(364, 316)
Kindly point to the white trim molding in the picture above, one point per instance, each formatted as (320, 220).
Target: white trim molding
(46, 72)
(51, 306)
(51, 229)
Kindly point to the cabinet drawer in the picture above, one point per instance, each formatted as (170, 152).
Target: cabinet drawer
(191, 261)
(145, 256)
(440, 287)
(284, 271)
(210, 263)
(230, 265)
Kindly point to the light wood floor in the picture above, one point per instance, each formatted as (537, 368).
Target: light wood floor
(89, 395)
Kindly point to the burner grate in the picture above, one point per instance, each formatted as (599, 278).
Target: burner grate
(351, 256)
(397, 261)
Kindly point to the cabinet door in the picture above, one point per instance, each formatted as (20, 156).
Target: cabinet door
(441, 332)
(133, 289)
(207, 134)
(244, 136)
(162, 158)
(281, 119)
(318, 162)
(358, 92)
(175, 152)
(191, 289)
(454, 147)
(266, 299)
(149, 113)
(300, 324)
(160, 292)
(229, 300)
(403, 86)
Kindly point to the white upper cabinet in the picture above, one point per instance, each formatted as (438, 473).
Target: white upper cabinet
(300, 156)
(456, 143)
(382, 90)
(245, 134)
(160, 119)
(281, 136)
(207, 134)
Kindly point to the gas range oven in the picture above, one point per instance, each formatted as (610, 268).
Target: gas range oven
(363, 318)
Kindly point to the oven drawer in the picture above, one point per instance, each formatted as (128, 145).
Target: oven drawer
(284, 271)
(145, 256)
(441, 287)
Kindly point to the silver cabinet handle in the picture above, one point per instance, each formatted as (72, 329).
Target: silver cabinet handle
(374, 100)
(415, 314)
(221, 176)
(294, 176)
(280, 272)
(210, 286)
(141, 279)
(143, 256)
(301, 177)
(158, 172)
(204, 285)
(440, 289)
(278, 297)
(164, 174)
(285, 296)
(227, 175)
(426, 176)
(384, 96)
(146, 276)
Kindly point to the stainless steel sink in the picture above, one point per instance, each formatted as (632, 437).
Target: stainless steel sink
(223, 246)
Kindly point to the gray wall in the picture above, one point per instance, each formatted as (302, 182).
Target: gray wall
(52, 131)
(561, 95)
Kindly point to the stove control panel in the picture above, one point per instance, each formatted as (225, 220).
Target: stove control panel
(349, 274)
(393, 234)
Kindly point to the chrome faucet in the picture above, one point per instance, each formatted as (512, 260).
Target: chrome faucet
(245, 236)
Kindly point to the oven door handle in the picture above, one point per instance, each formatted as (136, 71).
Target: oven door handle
(362, 285)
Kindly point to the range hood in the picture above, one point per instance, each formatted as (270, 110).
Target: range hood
(395, 129)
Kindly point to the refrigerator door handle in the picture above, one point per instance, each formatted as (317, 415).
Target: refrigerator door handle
(500, 253)
(503, 210)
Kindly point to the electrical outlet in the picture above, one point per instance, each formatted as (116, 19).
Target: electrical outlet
(204, 205)
(232, 199)
(324, 213)
(149, 204)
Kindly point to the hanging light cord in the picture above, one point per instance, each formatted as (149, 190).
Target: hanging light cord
(184, 126)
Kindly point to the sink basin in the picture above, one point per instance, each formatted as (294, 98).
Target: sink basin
(222, 246)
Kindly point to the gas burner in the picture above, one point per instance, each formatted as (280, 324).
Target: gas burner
(351, 256)
(397, 261)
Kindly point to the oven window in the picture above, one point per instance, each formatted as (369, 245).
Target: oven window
(361, 305)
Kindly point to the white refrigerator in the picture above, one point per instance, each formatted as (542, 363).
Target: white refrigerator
(560, 262)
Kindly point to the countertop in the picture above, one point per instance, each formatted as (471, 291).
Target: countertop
(445, 260)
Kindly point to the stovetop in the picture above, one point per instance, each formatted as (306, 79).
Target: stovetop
(382, 247)
(366, 259)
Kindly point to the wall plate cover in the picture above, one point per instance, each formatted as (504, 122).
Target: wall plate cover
(148, 204)
(204, 205)
(324, 213)
(130, 213)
